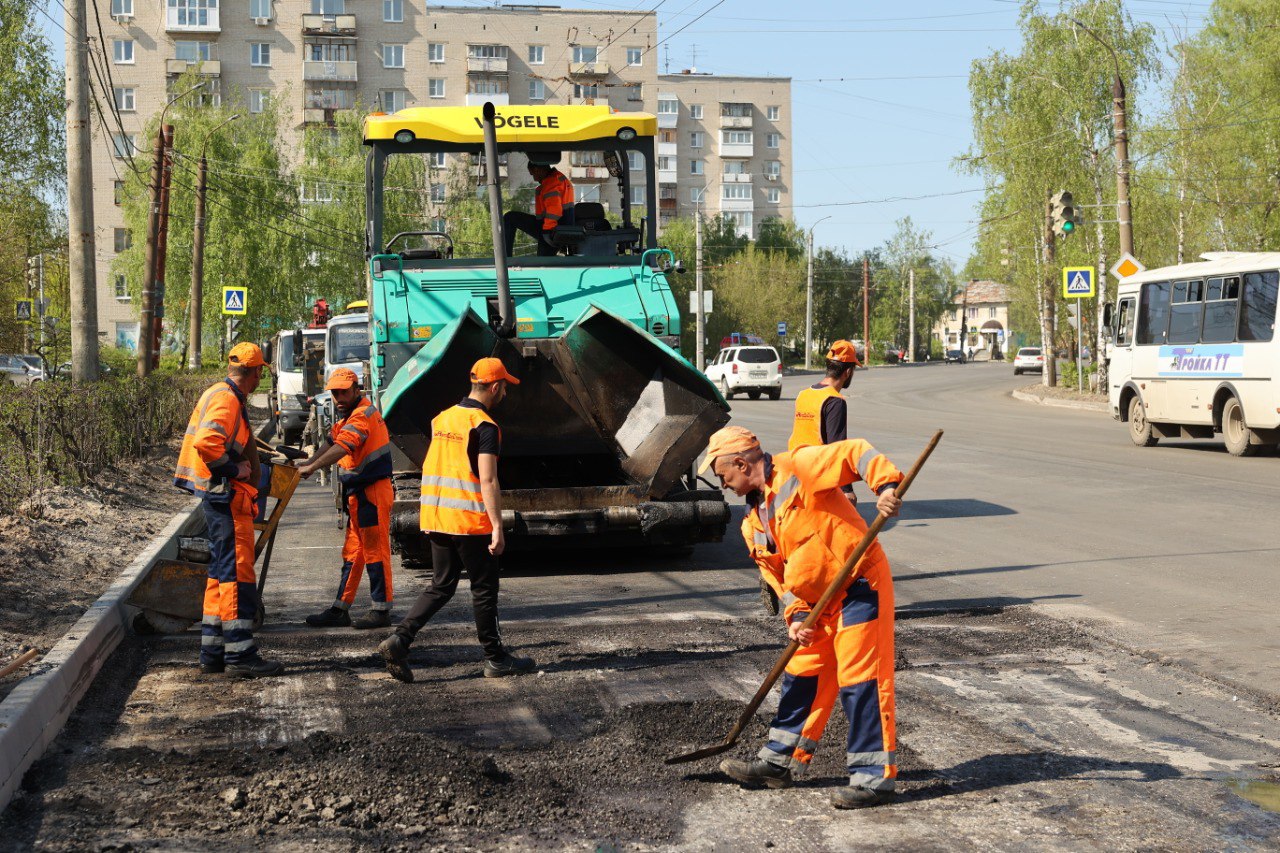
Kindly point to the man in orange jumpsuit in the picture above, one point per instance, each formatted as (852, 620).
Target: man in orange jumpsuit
(800, 530)
(551, 204)
(218, 463)
(359, 443)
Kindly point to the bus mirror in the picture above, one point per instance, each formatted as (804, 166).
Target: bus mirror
(267, 351)
(297, 348)
(1108, 311)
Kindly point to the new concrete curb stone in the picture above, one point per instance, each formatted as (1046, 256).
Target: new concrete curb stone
(1083, 405)
(33, 713)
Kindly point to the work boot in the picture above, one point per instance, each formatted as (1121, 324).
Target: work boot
(395, 651)
(373, 619)
(255, 668)
(212, 668)
(508, 664)
(857, 797)
(769, 598)
(757, 771)
(334, 617)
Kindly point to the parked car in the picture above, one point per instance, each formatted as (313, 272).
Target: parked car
(859, 349)
(954, 355)
(754, 369)
(19, 371)
(1028, 358)
(894, 353)
(63, 371)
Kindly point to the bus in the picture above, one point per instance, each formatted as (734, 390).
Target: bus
(1194, 352)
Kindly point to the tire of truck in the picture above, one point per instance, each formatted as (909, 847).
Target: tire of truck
(1235, 432)
(754, 395)
(724, 389)
(775, 393)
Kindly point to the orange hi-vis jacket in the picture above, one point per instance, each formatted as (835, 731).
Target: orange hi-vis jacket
(451, 498)
(807, 429)
(363, 434)
(215, 443)
(803, 528)
(554, 192)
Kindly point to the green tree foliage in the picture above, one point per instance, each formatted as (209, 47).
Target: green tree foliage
(908, 251)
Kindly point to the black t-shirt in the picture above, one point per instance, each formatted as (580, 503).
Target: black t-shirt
(835, 418)
(484, 438)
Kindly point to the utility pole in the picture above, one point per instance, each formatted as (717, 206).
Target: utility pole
(162, 250)
(81, 266)
(911, 315)
(808, 306)
(700, 324)
(195, 310)
(1119, 122)
(866, 312)
(1050, 375)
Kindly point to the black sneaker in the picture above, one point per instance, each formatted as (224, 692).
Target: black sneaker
(857, 797)
(508, 664)
(258, 668)
(331, 618)
(373, 619)
(395, 651)
(757, 771)
(213, 668)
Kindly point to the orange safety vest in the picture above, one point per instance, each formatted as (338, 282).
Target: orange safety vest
(363, 434)
(451, 498)
(807, 429)
(811, 525)
(554, 192)
(217, 435)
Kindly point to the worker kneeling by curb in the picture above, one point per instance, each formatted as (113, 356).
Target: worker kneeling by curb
(361, 446)
(219, 464)
(462, 516)
(800, 529)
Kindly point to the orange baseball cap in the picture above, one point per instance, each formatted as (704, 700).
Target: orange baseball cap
(730, 439)
(488, 370)
(246, 355)
(343, 377)
(844, 352)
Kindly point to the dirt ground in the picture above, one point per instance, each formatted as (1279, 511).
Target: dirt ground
(54, 566)
(1058, 392)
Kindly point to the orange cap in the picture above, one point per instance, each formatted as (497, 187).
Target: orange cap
(730, 439)
(246, 355)
(844, 352)
(488, 370)
(343, 377)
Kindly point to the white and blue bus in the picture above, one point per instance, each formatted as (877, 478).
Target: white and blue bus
(1194, 352)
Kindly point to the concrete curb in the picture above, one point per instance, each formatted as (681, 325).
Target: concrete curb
(33, 713)
(1082, 405)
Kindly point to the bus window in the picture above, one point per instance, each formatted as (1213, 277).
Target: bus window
(1258, 306)
(1187, 312)
(1124, 324)
(1220, 310)
(1153, 320)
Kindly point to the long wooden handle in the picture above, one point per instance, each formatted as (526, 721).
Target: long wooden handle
(25, 657)
(833, 589)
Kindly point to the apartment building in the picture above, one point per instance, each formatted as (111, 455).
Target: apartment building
(325, 56)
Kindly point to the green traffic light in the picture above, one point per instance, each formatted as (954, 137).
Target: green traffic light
(1068, 227)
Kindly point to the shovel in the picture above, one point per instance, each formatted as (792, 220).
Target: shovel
(834, 589)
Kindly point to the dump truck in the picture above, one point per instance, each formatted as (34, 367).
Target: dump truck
(600, 437)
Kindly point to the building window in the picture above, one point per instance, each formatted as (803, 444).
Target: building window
(772, 140)
(117, 192)
(537, 53)
(773, 167)
(393, 11)
(581, 91)
(668, 107)
(437, 193)
(393, 56)
(537, 90)
(587, 192)
(435, 87)
(126, 102)
(991, 312)
(487, 51)
(696, 139)
(315, 192)
(667, 135)
(121, 7)
(736, 137)
(696, 167)
(192, 51)
(737, 192)
(973, 313)
(773, 195)
(582, 53)
(771, 113)
(695, 111)
(487, 86)
(634, 55)
(122, 51)
(742, 219)
(392, 100)
(697, 194)
(666, 164)
(122, 287)
(435, 52)
(637, 196)
(325, 51)
(260, 54)
(436, 159)
(258, 100)
(328, 7)
(635, 92)
(439, 224)
(259, 9)
(192, 13)
(124, 145)
(635, 162)
(734, 167)
(123, 240)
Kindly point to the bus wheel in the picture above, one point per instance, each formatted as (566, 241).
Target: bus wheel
(1234, 431)
(1139, 426)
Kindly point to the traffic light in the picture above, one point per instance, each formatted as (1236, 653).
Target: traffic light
(33, 274)
(1064, 214)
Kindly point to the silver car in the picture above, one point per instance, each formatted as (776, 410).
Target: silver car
(18, 370)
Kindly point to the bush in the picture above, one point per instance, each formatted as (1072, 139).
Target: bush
(1068, 378)
(59, 433)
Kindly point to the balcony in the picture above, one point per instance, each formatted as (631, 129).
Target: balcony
(599, 68)
(329, 72)
(736, 205)
(666, 176)
(181, 19)
(667, 204)
(207, 68)
(667, 149)
(327, 116)
(320, 25)
(736, 178)
(735, 122)
(667, 121)
(498, 99)
(737, 149)
(486, 65)
(589, 173)
(588, 102)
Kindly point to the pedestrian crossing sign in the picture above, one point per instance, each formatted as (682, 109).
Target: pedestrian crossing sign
(235, 300)
(22, 309)
(1078, 282)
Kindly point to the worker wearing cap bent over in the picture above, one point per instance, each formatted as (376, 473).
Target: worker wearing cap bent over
(462, 517)
(553, 203)
(800, 529)
(361, 447)
(218, 463)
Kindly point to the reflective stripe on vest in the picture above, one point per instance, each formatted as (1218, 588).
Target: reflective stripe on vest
(372, 460)
(451, 499)
(806, 430)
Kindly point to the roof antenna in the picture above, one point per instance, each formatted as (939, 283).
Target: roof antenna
(693, 58)
(666, 62)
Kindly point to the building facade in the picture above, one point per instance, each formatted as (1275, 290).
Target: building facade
(985, 308)
(325, 56)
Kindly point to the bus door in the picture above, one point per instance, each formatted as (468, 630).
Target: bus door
(1120, 370)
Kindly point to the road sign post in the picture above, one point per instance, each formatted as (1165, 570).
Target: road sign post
(235, 300)
(782, 329)
(1079, 283)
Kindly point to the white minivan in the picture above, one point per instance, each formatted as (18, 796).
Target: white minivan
(754, 369)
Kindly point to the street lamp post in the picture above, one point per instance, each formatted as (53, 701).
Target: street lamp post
(194, 310)
(808, 299)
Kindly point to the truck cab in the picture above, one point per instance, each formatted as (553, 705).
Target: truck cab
(290, 400)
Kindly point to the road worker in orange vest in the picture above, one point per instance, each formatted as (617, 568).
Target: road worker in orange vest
(822, 413)
(800, 529)
(218, 463)
(552, 205)
(461, 515)
(361, 447)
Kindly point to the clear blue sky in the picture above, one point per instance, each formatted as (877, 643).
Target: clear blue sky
(880, 97)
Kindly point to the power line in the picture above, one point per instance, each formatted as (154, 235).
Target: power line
(716, 5)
